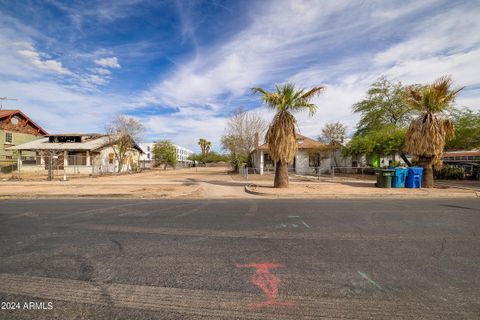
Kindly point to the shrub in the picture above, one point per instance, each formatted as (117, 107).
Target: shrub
(450, 172)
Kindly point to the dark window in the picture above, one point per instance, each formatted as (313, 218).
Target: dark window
(77, 158)
(314, 160)
(64, 139)
(8, 137)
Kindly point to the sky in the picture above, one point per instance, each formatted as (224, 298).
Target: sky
(183, 67)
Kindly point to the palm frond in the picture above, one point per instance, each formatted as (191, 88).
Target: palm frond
(315, 91)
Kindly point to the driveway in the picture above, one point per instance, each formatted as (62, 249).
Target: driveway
(240, 259)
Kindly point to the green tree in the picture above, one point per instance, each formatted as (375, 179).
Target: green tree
(211, 157)
(467, 130)
(387, 141)
(427, 133)
(237, 155)
(383, 105)
(281, 134)
(165, 153)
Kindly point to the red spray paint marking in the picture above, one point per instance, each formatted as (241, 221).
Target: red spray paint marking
(267, 282)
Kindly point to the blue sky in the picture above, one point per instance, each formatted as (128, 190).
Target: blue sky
(182, 67)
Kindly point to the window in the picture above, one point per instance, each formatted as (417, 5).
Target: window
(148, 155)
(9, 137)
(148, 149)
(314, 160)
(111, 156)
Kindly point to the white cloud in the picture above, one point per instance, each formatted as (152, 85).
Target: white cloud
(283, 43)
(97, 80)
(276, 41)
(440, 35)
(102, 71)
(64, 109)
(35, 58)
(111, 62)
(185, 130)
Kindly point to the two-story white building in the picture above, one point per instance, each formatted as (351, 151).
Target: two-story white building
(147, 158)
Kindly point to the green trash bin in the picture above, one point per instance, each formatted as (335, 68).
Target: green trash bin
(384, 178)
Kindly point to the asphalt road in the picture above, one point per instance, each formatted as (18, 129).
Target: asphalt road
(245, 259)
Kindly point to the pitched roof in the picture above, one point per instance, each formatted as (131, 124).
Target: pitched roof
(91, 145)
(462, 153)
(8, 113)
(303, 143)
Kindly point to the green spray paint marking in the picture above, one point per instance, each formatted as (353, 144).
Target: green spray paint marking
(294, 225)
(305, 224)
(366, 277)
(294, 216)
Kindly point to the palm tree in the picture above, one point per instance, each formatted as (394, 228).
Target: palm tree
(426, 134)
(205, 145)
(281, 135)
(208, 146)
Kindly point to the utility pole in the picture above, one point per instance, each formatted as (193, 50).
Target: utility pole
(5, 99)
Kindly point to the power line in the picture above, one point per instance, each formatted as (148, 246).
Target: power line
(5, 99)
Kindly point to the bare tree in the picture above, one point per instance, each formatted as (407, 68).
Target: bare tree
(239, 138)
(122, 133)
(333, 133)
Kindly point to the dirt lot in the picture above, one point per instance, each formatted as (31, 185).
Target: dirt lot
(211, 183)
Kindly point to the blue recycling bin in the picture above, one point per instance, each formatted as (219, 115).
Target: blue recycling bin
(399, 178)
(414, 177)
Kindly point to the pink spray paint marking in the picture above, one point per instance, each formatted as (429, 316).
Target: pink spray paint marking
(267, 282)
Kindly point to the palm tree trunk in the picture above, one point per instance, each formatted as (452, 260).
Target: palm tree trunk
(281, 175)
(427, 164)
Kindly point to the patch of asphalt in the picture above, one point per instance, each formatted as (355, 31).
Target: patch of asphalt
(358, 259)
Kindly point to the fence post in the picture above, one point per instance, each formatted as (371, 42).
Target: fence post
(50, 164)
(19, 162)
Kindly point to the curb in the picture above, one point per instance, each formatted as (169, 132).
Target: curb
(459, 187)
(250, 188)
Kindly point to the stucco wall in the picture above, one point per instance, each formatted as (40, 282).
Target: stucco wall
(18, 138)
(301, 162)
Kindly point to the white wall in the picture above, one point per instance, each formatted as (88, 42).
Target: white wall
(301, 162)
(147, 148)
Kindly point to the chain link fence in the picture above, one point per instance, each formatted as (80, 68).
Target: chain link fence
(57, 167)
(365, 172)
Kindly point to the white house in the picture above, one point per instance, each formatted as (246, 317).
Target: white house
(182, 155)
(77, 153)
(312, 157)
